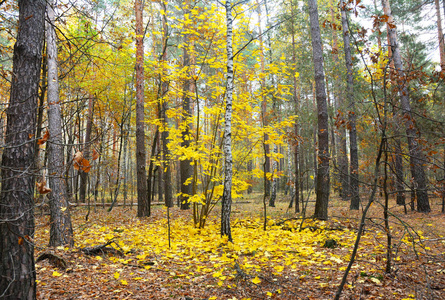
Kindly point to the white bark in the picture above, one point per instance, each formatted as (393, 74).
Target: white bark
(227, 145)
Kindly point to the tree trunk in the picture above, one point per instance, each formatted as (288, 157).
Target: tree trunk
(343, 163)
(264, 116)
(61, 231)
(166, 179)
(185, 164)
(143, 202)
(415, 151)
(440, 34)
(227, 146)
(86, 151)
(353, 150)
(17, 270)
(322, 189)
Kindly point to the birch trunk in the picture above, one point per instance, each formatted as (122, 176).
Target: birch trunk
(61, 231)
(227, 145)
(143, 202)
(322, 189)
(415, 151)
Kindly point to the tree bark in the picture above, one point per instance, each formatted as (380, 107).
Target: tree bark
(353, 150)
(322, 189)
(415, 151)
(143, 202)
(17, 270)
(61, 231)
(227, 146)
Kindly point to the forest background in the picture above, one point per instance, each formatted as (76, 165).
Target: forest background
(302, 114)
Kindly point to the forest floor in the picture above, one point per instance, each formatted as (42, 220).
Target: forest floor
(282, 262)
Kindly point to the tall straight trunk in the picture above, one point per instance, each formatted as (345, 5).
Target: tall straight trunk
(86, 151)
(264, 116)
(185, 164)
(166, 174)
(322, 189)
(353, 150)
(227, 146)
(415, 151)
(143, 202)
(61, 231)
(296, 125)
(17, 269)
(343, 164)
(440, 34)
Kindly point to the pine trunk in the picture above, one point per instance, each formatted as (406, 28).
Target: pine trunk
(17, 269)
(415, 151)
(322, 189)
(143, 202)
(353, 150)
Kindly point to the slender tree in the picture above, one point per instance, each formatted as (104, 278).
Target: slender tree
(143, 202)
(61, 232)
(415, 151)
(353, 152)
(227, 145)
(322, 189)
(17, 269)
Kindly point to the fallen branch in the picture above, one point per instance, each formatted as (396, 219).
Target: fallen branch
(55, 260)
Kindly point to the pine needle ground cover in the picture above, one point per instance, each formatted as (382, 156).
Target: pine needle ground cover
(290, 260)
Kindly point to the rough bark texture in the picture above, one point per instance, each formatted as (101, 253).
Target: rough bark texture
(61, 231)
(17, 270)
(227, 146)
(415, 151)
(353, 150)
(322, 189)
(143, 202)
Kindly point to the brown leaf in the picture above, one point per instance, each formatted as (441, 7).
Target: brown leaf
(43, 139)
(41, 187)
(95, 154)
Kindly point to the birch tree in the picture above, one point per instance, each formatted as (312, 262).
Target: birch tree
(227, 145)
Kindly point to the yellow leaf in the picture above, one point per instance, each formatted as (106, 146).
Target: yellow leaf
(116, 275)
(256, 280)
(56, 274)
(63, 208)
(124, 282)
(269, 294)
